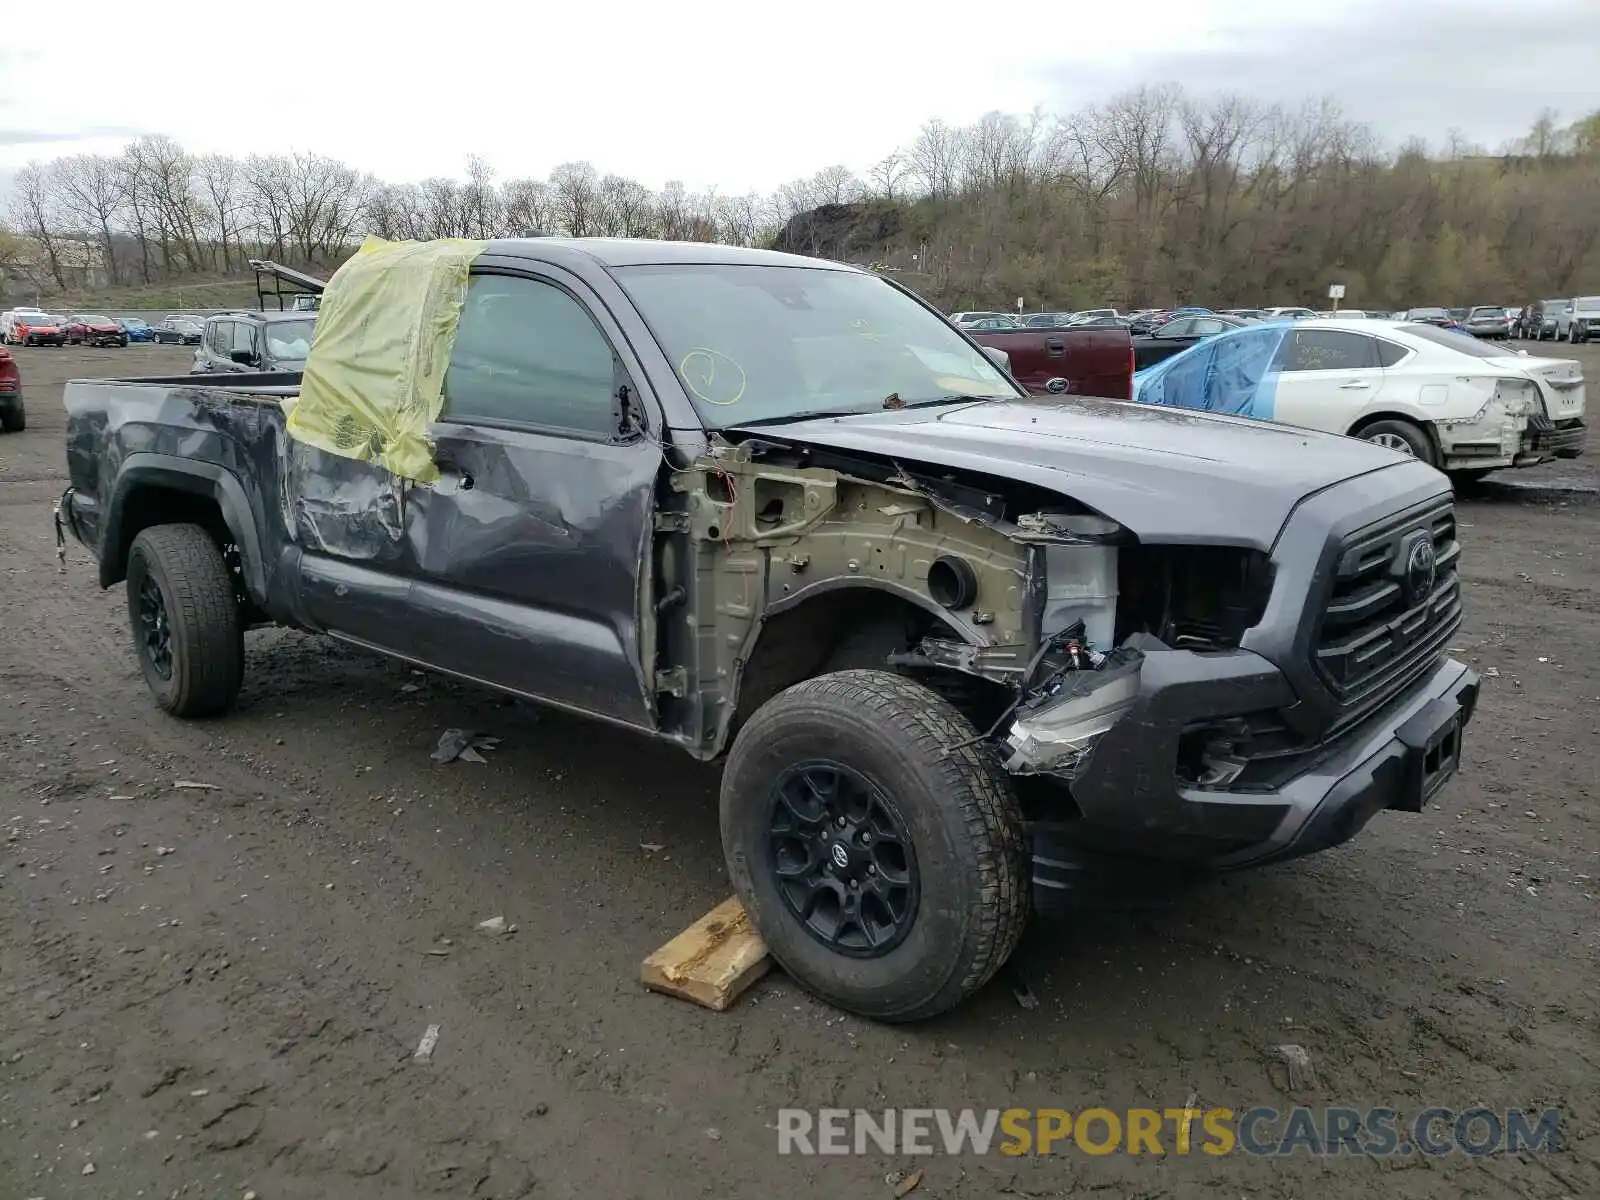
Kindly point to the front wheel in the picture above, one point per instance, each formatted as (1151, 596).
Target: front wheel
(13, 417)
(187, 630)
(878, 849)
(1402, 436)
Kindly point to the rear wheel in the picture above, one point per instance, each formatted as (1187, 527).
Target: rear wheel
(187, 630)
(13, 417)
(1403, 436)
(879, 851)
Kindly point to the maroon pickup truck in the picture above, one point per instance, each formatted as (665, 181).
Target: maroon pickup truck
(1076, 362)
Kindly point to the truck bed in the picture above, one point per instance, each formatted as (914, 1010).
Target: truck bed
(214, 437)
(1094, 362)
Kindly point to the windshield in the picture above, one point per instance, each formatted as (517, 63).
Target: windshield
(289, 341)
(1586, 304)
(1452, 340)
(758, 342)
(1427, 314)
(97, 320)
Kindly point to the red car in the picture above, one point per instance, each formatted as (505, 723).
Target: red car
(12, 418)
(95, 331)
(38, 329)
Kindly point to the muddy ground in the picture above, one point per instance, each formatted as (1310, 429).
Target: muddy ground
(210, 990)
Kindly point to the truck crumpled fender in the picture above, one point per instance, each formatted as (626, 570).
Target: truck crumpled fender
(374, 380)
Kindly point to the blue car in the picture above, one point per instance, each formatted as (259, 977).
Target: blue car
(137, 330)
(1234, 372)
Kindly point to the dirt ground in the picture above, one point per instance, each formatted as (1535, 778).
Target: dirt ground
(208, 991)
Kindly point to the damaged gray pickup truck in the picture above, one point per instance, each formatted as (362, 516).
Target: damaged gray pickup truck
(963, 650)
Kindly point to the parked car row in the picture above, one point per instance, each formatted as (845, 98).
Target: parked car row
(1573, 320)
(1428, 391)
(35, 327)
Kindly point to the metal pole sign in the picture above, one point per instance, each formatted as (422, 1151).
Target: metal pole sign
(1336, 294)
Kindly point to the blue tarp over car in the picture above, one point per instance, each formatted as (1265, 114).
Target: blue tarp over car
(1234, 372)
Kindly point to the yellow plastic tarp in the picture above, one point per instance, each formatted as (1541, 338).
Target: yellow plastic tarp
(374, 380)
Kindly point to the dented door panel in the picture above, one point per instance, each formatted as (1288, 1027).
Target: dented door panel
(526, 560)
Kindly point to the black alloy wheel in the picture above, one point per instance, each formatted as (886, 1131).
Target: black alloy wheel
(155, 629)
(842, 858)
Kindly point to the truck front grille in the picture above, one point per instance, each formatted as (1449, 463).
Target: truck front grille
(1385, 621)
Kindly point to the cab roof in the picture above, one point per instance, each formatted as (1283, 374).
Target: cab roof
(638, 252)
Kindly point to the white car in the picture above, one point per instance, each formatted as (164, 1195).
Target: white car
(1290, 313)
(8, 320)
(1578, 320)
(1464, 406)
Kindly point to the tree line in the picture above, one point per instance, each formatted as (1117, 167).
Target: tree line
(1154, 196)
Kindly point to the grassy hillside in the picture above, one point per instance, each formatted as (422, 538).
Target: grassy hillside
(175, 296)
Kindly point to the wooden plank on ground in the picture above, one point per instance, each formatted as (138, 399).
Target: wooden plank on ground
(712, 961)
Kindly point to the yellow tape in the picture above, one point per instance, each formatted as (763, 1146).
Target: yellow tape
(374, 380)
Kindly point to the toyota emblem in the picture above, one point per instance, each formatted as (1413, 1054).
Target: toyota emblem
(841, 856)
(1421, 567)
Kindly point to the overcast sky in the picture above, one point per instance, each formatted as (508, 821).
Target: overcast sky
(741, 95)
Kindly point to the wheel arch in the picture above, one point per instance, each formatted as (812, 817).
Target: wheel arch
(158, 489)
(799, 636)
(1409, 418)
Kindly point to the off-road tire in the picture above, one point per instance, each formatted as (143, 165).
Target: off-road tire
(1413, 435)
(956, 804)
(13, 416)
(207, 629)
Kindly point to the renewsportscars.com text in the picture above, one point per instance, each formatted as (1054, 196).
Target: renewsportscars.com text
(1261, 1131)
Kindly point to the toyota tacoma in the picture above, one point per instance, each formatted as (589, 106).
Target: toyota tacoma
(960, 649)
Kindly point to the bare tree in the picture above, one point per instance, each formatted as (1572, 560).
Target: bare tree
(836, 185)
(888, 175)
(92, 193)
(527, 206)
(575, 198)
(219, 176)
(480, 203)
(934, 159)
(1154, 196)
(33, 207)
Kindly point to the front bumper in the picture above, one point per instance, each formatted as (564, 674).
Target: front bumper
(1135, 808)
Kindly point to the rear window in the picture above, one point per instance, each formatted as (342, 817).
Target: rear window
(1389, 353)
(289, 341)
(1452, 340)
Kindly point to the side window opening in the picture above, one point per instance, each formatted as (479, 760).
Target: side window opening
(527, 352)
(1330, 350)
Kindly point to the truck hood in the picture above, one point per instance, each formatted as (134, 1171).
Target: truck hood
(1169, 475)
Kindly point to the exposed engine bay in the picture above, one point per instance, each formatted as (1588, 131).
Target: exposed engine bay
(1050, 604)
